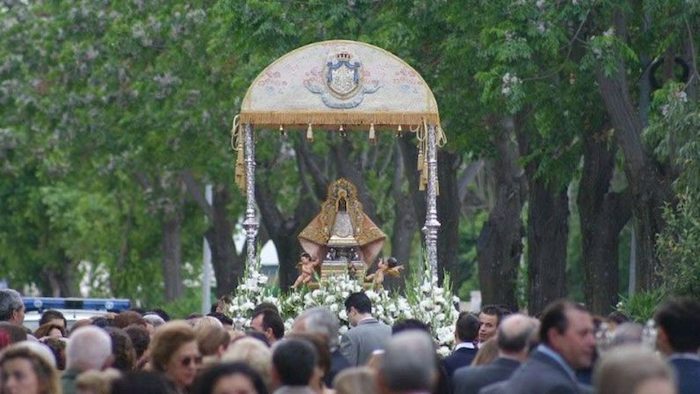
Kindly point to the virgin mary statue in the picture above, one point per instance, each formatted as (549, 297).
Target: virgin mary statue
(342, 224)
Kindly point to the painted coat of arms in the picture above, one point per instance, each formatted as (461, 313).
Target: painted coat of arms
(343, 86)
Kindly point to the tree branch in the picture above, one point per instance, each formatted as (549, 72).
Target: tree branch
(197, 193)
(320, 179)
(467, 177)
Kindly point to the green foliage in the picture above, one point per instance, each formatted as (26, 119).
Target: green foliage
(182, 307)
(679, 243)
(640, 307)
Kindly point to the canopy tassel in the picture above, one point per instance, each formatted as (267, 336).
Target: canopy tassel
(237, 146)
(310, 133)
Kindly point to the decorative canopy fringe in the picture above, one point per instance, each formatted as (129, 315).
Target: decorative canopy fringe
(303, 119)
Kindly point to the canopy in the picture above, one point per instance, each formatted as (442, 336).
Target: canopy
(339, 82)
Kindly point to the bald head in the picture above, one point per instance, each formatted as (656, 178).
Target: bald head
(515, 333)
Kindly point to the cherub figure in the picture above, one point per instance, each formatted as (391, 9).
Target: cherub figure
(307, 268)
(389, 266)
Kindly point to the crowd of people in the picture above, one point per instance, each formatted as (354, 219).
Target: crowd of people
(495, 351)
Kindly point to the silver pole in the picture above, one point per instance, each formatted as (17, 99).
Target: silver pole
(206, 262)
(250, 224)
(431, 219)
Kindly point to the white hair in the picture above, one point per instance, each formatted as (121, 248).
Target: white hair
(153, 319)
(88, 348)
(207, 321)
(410, 362)
(320, 320)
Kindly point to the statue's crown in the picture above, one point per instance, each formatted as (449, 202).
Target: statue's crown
(343, 56)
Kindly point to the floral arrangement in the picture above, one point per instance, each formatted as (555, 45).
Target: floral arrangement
(424, 300)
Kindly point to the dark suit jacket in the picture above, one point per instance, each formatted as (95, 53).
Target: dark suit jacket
(461, 357)
(540, 374)
(688, 371)
(469, 380)
(338, 363)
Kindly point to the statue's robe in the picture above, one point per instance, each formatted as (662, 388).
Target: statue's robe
(342, 217)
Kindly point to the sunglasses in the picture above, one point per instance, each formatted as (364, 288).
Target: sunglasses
(189, 360)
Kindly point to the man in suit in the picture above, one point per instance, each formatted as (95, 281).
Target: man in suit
(567, 344)
(513, 339)
(466, 331)
(367, 334)
(678, 338)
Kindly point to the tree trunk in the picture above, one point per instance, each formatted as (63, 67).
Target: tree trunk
(603, 214)
(649, 189)
(284, 231)
(227, 264)
(547, 235)
(405, 224)
(448, 209)
(61, 280)
(499, 246)
(172, 256)
(409, 153)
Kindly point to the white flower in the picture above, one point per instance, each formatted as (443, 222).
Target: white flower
(440, 317)
(610, 32)
(681, 96)
(343, 315)
(334, 308)
(444, 351)
(665, 109)
(541, 27)
(330, 299)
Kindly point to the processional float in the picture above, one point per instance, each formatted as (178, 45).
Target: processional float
(343, 86)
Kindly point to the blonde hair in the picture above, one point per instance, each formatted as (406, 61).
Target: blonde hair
(167, 339)
(210, 338)
(97, 382)
(252, 352)
(46, 374)
(356, 380)
(488, 351)
(623, 370)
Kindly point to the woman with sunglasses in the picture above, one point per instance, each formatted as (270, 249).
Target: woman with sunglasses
(174, 353)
